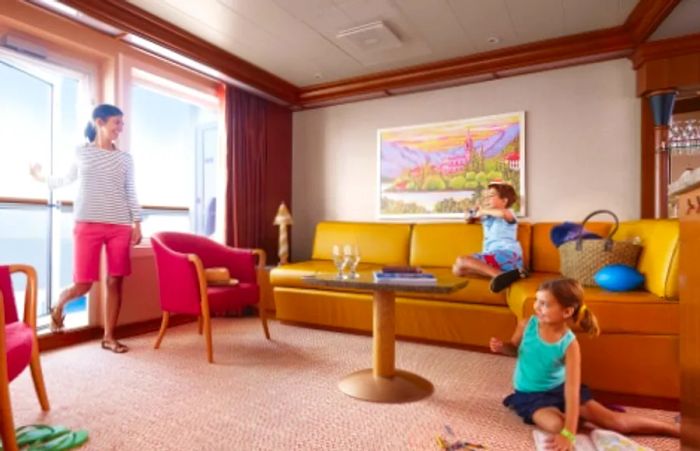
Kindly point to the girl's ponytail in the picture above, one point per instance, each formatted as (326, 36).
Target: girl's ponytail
(586, 320)
(90, 132)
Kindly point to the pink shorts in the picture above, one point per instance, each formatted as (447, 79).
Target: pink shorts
(88, 238)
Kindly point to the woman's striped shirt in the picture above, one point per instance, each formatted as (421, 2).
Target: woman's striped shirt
(106, 191)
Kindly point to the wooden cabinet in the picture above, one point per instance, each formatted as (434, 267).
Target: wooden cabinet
(689, 216)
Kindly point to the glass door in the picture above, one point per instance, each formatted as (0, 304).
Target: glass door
(39, 116)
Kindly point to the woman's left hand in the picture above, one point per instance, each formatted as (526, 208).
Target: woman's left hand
(559, 443)
(136, 234)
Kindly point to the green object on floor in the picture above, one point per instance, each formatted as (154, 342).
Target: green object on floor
(68, 440)
(32, 433)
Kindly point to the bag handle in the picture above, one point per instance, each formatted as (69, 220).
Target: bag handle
(608, 240)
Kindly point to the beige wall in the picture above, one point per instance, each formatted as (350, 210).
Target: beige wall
(582, 144)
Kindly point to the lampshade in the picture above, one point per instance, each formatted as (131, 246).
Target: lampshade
(283, 216)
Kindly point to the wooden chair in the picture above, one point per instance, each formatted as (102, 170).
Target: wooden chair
(181, 261)
(19, 347)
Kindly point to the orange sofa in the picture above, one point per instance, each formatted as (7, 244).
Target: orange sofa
(637, 352)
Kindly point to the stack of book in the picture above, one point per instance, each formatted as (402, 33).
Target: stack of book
(409, 275)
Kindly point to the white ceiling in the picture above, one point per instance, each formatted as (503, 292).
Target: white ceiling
(297, 39)
(684, 19)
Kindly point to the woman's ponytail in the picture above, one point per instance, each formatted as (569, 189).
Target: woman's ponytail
(103, 112)
(90, 132)
(586, 320)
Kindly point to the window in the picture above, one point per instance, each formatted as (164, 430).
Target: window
(174, 139)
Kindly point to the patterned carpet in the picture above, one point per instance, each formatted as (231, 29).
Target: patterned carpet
(271, 395)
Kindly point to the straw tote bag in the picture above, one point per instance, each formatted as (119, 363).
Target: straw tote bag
(582, 259)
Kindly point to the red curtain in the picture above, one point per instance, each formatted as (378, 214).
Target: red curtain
(259, 162)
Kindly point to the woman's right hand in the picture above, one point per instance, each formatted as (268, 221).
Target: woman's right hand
(496, 345)
(36, 173)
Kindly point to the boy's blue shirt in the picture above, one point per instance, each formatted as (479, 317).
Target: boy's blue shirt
(500, 235)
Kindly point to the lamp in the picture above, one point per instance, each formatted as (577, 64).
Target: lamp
(283, 219)
(662, 108)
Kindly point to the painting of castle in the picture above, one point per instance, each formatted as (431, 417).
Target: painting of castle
(439, 170)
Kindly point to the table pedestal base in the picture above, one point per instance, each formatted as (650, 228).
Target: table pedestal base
(403, 387)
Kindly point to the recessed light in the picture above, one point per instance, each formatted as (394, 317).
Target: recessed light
(493, 40)
(318, 75)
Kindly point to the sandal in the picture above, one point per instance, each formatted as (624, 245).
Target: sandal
(68, 440)
(30, 434)
(114, 346)
(57, 320)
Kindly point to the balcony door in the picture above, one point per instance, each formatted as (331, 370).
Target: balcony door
(41, 115)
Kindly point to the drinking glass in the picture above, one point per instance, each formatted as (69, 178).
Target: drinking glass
(339, 261)
(352, 255)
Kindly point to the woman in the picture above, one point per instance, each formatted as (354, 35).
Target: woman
(106, 214)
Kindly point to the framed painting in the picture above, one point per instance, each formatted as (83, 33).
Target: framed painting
(437, 171)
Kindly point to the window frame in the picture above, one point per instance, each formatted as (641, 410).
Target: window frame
(199, 90)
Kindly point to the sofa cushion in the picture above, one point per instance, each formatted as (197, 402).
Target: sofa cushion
(545, 255)
(385, 244)
(441, 244)
(629, 312)
(659, 258)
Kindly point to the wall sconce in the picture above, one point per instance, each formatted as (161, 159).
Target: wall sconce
(283, 219)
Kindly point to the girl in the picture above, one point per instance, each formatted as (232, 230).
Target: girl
(547, 378)
(106, 213)
(502, 256)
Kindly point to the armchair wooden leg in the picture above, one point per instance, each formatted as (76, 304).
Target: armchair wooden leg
(207, 336)
(38, 377)
(7, 425)
(163, 327)
(263, 318)
(200, 324)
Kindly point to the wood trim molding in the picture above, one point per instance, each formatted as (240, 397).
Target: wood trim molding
(72, 337)
(646, 17)
(132, 19)
(585, 47)
(666, 48)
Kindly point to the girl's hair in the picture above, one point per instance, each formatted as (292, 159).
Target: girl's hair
(104, 112)
(569, 293)
(505, 191)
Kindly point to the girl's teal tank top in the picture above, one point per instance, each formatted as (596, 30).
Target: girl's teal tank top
(540, 365)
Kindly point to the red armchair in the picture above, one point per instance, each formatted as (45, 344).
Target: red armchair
(18, 347)
(181, 259)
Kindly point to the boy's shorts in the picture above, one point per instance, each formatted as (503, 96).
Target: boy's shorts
(502, 260)
(88, 238)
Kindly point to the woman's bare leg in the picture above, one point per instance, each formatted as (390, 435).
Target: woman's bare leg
(114, 303)
(73, 292)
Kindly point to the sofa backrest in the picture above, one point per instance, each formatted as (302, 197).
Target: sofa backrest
(545, 255)
(380, 243)
(439, 244)
(659, 258)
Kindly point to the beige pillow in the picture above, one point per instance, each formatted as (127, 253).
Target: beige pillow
(218, 276)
